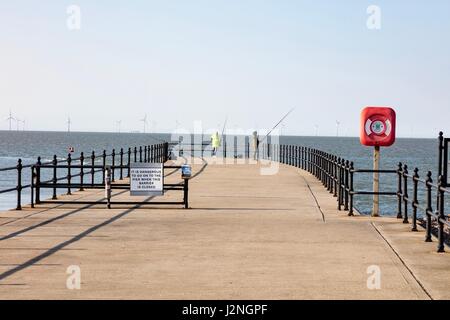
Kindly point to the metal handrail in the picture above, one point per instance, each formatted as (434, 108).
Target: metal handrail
(88, 163)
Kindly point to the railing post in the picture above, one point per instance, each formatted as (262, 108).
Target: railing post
(166, 145)
(339, 198)
(54, 179)
(309, 160)
(399, 190)
(33, 176)
(305, 157)
(121, 164)
(301, 157)
(346, 191)
(335, 175)
(186, 193)
(415, 203)
(294, 156)
(286, 154)
(92, 168)
(145, 154)
(429, 210)
(291, 155)
(135, 154)
(303, 152)
(166, 151)
(140, 153)
(104, 166)
(441, 215)
(152, 154)
(350, 213)
(19, 184)
(322, 169)
(316, 164)
(82, 171)
(113, 165)
(330, 173)
(405, 193)
(128, 162)
(281, 153)
(247, 147)
(38, 180)
(69, 174)
(280, 149)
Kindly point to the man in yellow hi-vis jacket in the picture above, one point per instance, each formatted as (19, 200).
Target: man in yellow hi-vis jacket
(215, 141)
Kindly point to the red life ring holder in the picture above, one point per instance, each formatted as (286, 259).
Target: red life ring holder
(377, 126)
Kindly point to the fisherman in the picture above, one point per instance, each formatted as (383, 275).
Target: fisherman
(215, 141)
(255, 143)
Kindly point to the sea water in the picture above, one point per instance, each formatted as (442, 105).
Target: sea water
(420, 153)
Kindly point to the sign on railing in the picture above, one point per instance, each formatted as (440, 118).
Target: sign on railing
(146, 179)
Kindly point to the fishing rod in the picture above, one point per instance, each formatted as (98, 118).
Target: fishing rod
(279, 122)
(224, 125)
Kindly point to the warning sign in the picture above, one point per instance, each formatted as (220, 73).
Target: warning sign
(146, 179)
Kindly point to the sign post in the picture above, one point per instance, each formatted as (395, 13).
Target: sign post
(377, 130)
(146, 179)
(108, 186)
(376, 182)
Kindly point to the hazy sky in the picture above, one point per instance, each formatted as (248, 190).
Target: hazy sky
(204, 60)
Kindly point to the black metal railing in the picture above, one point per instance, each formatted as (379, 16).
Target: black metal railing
(338, 176)
(81, 168)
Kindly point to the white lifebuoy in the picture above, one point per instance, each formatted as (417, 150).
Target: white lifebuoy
(378, 127)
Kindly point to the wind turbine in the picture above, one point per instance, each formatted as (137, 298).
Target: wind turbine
(317, 129)
(154, 124)
(23, 124)
(337, 127)
(69, 122)
(10, 119)
(144, 120)
(17, 123)
(118, 123)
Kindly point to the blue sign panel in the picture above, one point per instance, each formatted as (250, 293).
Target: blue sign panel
(186, 171)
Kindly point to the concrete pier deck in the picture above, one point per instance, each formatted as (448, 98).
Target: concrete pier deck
(247, 236)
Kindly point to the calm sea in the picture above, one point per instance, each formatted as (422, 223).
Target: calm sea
(421, 153)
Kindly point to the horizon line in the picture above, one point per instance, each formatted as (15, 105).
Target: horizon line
(169, 133)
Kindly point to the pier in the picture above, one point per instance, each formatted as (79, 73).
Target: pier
(245, 236)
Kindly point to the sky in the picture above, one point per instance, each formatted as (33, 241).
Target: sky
(245, 60)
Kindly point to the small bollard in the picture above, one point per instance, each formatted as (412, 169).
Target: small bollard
(108, 186)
